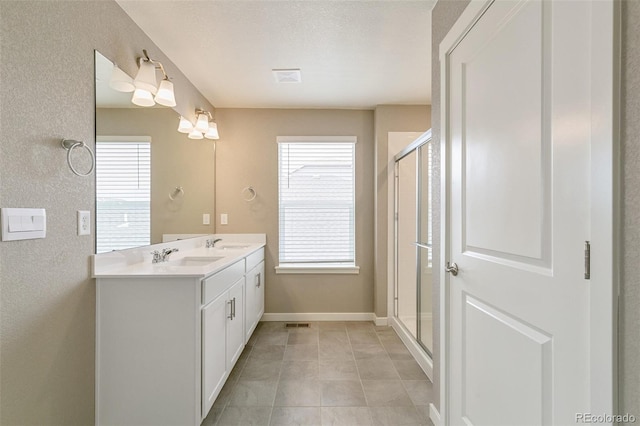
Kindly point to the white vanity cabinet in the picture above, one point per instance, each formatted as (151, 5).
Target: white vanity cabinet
(166, 339)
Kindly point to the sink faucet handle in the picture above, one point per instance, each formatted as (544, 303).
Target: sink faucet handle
(157, 256)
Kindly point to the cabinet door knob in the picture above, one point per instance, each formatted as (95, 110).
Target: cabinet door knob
(258, 280)
(230, 302)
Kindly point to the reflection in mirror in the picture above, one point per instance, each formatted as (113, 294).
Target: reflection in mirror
(140, 161)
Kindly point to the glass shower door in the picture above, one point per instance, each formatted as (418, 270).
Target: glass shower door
(406, 233)
(413, 230)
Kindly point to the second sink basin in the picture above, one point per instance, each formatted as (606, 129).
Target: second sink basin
(196, 260)
(232, 246)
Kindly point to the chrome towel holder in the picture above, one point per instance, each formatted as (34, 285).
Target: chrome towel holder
(249, 194)
(70, 145)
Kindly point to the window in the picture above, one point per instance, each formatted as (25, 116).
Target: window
(317, 204)
(123, 192)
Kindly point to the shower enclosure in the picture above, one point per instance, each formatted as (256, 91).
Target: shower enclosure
(413, 253)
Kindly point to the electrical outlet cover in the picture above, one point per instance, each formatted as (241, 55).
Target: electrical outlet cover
(84, 222)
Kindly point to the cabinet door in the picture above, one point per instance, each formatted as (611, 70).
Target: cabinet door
(235, 324)
(254, 299)
(214, 366)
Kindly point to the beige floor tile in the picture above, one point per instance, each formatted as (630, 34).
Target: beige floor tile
(386, 393)
(375, 369)
(301, 352)
(298, 393)
(346, 416)
(395, 416)
(342, 393)
(288, 416)
(260, 393)
(299, 370)
(420, 391)
(331, 369)
(245, 416)
(260, 369)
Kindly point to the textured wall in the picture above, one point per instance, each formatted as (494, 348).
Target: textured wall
(389, 118)
(47, 311)
(175, 161)
(247, 155)
(629, 314)
(444, 15)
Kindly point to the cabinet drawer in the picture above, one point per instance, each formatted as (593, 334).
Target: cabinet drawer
(218, 283)
(255, 258)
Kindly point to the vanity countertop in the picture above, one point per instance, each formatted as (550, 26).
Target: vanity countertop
(193, 259)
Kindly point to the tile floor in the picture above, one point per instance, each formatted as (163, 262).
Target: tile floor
(332, 373)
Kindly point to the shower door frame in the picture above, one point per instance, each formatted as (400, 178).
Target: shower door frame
(421, 354)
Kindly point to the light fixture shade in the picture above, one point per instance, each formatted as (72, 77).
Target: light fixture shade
(185, 125)
(202, 124)
(120, 81)
(165, 95)
(212, 133)
(146, 77)
(143, 98)
(195, 134)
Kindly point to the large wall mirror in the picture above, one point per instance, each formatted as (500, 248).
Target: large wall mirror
(150, 180)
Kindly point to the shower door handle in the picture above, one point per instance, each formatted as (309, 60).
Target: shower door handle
(423, 245)
(451, 268)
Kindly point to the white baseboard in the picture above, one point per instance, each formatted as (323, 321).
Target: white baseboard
(381, 321)
(322, 316)
(434, 415)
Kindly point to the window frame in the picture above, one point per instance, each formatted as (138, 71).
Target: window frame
(319, 267)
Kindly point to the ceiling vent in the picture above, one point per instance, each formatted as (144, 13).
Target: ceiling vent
(287, 75)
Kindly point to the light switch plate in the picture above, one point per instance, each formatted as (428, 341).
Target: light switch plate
(84, 222)
(206, 219)
(224, 219)
(23, 224)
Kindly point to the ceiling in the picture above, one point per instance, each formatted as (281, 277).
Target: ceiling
(351, 53)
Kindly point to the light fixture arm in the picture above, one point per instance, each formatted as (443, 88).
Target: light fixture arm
(157, 64)
(207, 113)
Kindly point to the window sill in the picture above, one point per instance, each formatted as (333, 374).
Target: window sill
(317, 269)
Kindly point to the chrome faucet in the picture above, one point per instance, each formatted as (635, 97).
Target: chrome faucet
(162, 256)
(212, 243)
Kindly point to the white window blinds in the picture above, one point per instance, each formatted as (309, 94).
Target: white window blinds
(123, 193)
(316, 201)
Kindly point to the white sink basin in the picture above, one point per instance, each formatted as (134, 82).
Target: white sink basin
(195, 260)
(232, 246)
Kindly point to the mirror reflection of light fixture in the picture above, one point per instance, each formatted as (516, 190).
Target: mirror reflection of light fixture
(212, 133)
(120, 81)
(195, 134)
(204, 127)
(145, 84)
(185, 125)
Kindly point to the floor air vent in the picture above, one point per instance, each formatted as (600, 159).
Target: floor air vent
(297, 325)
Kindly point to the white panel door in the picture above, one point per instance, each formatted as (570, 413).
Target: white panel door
(518, 139)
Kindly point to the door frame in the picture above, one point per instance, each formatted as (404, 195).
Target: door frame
(604, 208)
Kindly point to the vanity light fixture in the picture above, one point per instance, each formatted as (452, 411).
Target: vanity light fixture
(145, 85)
(204, 127)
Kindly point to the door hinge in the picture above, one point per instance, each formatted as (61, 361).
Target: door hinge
(587, 260)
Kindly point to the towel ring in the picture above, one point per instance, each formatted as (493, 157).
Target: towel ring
(70, 145)
(177, 192)
(249, 194)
